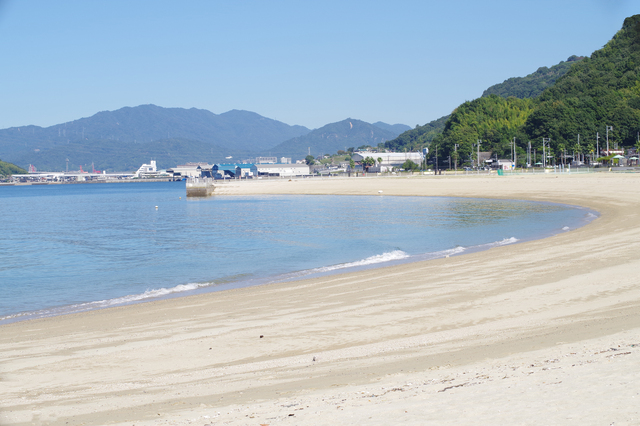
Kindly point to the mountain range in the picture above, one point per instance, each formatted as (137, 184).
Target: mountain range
(333, 137)
(123, 139)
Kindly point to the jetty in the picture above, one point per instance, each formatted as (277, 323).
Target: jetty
(200, 187)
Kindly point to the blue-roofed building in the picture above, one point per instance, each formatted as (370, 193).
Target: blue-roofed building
(232, 170)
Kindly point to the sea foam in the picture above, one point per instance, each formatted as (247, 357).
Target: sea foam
(371, 261)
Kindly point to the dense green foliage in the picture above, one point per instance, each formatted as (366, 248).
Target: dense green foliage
(415, 139)
(7, 169)
(410, 166)
(600, 91)
(534, 84)
(493, 120)
(596, 92)
(520, 87)
(331, 138)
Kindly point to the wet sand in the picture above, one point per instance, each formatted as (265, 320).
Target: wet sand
(542, 332)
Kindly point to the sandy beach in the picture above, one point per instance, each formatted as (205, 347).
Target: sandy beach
(541, 332)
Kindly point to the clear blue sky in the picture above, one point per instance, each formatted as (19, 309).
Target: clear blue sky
(300, 62)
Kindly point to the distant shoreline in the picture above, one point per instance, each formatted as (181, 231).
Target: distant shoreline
(87, 182)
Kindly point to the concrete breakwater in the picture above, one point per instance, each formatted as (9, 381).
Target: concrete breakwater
(200, 187)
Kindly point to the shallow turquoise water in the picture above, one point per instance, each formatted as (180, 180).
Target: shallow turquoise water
(76, 247)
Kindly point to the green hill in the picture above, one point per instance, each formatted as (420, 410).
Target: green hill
(415, 139)
(493, 120)
(7, 169)
(533, 84)
(527, 87)
(595, 92)
(602, 90)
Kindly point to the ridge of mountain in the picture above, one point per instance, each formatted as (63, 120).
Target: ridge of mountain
(532, 85)
(234, 132)
(332, 137)
(527, 87)
(393, 128)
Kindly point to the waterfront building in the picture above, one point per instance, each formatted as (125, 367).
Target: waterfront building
(389, 159)
(283, 170)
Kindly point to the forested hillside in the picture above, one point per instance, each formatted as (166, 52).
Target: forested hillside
(7, 169)
(493, 120)
(600, 91)
(534, 84)
(595, 92)
(415, 139)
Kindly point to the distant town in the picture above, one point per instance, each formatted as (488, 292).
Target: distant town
(351, 163)
(260, 167)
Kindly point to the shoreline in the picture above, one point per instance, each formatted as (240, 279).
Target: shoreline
(405, 343)
(380, 260)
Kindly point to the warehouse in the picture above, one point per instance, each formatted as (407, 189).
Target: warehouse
(283, 170)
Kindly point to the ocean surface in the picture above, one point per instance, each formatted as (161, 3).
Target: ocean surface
(70, 248)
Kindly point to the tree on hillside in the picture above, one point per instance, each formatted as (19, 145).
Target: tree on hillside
(310, 160)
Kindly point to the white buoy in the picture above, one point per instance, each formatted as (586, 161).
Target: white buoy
(380, 192)
(156, 207)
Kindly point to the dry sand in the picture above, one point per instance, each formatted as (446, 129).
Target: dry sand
(542, 332)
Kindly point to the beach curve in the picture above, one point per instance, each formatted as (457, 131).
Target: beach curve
(531, 333)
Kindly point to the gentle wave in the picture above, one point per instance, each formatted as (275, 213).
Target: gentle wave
(506, 241)
(379, 258)
(395, 255)
(98, 304)
(150, 294)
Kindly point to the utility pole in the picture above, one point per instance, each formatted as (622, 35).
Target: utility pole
(544, 151)
(515, 154)
(597, 144)
(479, 143)
(511, 146)
(455, 148)
(608, 128)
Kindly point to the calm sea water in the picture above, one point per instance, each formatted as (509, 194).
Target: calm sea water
(69, 248)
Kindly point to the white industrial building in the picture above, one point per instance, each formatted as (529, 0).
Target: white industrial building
(287, 170)
(189, 170)
(146, 170)
(389, 159)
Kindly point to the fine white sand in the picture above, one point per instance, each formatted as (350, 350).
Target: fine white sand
(542, 332)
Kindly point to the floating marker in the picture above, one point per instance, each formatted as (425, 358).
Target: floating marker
(156, 207)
